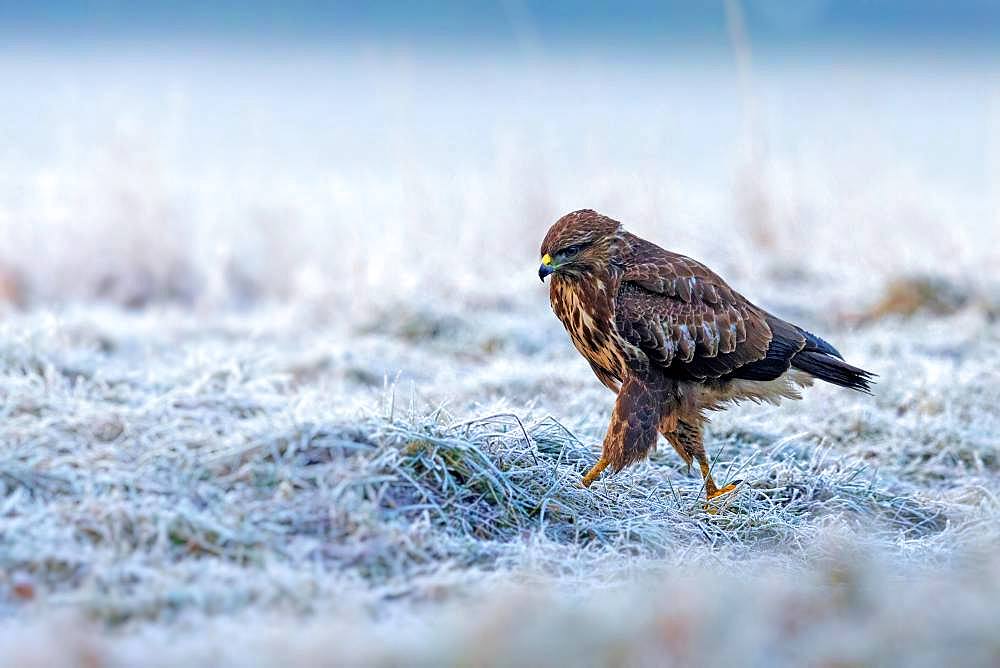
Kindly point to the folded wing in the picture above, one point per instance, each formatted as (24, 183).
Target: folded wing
(690, 323)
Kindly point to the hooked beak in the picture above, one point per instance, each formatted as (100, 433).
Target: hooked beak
(546, 268)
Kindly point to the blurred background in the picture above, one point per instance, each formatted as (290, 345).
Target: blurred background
(278, 379)
(220, 154)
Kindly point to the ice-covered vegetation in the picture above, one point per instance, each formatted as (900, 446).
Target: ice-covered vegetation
(280, 400)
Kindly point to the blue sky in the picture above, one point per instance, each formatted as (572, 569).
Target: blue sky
(498, 24)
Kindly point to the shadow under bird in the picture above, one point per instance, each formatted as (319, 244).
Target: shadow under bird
(672, 340)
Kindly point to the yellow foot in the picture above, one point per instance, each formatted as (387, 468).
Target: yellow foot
(592, 474)
(725, 490)
(713, 506)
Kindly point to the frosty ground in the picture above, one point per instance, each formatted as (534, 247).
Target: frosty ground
(327, 417)
(407, 488)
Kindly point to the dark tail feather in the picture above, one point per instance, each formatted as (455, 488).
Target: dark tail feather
(833, 370)
(816, 344)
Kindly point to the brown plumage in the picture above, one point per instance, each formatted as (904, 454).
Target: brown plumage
(672, 339)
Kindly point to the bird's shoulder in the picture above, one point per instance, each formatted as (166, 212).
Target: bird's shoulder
(679, 311)
(664, 272)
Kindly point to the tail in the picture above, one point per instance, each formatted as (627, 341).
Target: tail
(816, 344)
(826, 367)
(795, 347)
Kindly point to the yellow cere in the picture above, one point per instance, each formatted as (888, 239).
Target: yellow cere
(546, 259)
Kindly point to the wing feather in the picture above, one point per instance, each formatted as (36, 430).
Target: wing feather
(690, 322)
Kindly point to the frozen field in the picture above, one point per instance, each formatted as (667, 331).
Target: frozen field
(279, 383)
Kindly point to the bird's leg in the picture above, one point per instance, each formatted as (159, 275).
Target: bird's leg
(592, 474)
(632, 432)
(668, 427)
(691, 438)
(711, 490)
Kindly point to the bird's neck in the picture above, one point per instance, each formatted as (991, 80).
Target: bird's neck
(595, 290)
(586, 307)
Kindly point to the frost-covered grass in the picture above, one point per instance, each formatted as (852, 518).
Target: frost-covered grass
(178, 482)
(323, 413)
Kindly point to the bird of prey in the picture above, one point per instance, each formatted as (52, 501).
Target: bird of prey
(672, 340)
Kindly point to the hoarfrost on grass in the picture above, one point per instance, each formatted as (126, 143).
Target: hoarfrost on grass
(329, 416)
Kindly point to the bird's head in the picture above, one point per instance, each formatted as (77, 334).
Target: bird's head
(579, 243)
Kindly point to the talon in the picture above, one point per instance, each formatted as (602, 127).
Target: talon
(724, 490)
(712, 507)
(592, 474)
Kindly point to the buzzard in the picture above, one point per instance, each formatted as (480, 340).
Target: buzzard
(672, 340)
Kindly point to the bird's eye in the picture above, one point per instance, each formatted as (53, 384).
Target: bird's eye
(570, 251)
